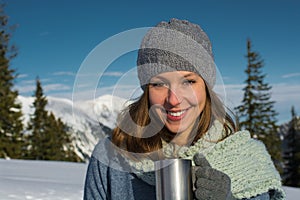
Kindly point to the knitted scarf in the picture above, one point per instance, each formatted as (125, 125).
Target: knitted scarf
(245, 160)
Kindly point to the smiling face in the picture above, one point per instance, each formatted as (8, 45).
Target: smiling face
(178, 98)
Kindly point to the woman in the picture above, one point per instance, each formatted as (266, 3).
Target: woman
(179, 115)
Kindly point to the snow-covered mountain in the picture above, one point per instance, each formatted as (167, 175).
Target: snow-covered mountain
(88, 121)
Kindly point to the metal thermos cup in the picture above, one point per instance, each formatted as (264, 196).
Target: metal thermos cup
(174, 179)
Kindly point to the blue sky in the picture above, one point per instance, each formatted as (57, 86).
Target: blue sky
(57, 38)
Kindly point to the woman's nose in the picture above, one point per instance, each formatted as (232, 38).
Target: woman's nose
(174, 97)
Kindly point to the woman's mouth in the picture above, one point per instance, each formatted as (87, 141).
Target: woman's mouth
(176, 115)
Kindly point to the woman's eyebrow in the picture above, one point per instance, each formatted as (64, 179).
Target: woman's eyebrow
(158, 78)
(188, 75)
(183, 76)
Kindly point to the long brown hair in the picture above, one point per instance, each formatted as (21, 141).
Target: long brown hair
(132, 136)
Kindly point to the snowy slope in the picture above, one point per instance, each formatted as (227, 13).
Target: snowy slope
(43, 180)
(88, 121)
(50, 180)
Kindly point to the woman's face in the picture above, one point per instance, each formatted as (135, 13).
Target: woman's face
(178, 98)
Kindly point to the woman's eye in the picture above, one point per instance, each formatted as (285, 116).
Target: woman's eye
(158, 84)
(189, 82)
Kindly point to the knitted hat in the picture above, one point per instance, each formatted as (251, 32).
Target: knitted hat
(176, 45)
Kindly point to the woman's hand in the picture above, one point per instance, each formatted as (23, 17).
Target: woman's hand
(210, 183)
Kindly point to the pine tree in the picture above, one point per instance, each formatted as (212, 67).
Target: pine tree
(11, 127)
(67, 150)
(257, 113)
(49, 139)
(291, 175)
(37, 124)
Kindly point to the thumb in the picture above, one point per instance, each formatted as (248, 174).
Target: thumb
(200, 160)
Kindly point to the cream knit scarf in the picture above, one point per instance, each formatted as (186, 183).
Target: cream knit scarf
(245, 160)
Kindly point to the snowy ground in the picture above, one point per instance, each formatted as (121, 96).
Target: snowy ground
(41, 180)
(48, 180)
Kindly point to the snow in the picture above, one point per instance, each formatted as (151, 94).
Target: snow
(41, 180)
(53, 180)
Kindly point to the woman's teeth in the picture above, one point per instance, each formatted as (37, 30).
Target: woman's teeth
(176, 114)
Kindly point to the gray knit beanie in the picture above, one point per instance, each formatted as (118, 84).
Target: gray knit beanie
(176, 45)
